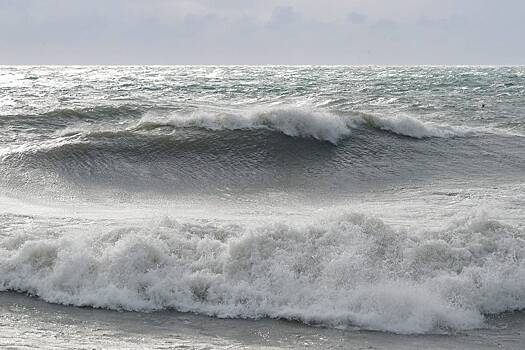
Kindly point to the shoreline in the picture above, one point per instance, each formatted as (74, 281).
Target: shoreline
(27, 321)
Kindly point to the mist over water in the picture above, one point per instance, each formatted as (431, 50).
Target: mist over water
(382, 198)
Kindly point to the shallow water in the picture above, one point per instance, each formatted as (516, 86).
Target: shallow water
(27, 322)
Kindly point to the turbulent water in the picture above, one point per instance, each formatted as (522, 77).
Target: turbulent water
(382, 198)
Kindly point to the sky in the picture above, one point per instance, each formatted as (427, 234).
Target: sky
(262, 32)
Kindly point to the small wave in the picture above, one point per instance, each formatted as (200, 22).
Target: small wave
(338, 271)
(412, 127)
(35, 148)
(59, 118)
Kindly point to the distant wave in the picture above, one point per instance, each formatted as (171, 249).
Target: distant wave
(316, 124)
(60, 118)
(338, 271)
(297, 122)
(18, 151)
(294, 122)
(183, 152)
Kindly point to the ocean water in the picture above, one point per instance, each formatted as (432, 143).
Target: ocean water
(306, 202)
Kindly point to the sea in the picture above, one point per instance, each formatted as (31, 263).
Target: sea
(262, 207)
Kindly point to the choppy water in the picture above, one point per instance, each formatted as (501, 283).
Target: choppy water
(383, 198)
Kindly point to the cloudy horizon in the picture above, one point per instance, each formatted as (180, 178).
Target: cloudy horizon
(255, 32)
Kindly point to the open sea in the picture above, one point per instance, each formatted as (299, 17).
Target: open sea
(274, 207)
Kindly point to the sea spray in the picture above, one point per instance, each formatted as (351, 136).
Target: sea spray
(339, 270)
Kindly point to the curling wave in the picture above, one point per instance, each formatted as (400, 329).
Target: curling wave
(409, 126)
(67, 126)
(297, 122)
(178, 152)
(338, 271)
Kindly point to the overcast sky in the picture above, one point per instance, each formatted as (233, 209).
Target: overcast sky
(262, 32)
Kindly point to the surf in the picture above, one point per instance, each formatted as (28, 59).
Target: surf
(339, 270)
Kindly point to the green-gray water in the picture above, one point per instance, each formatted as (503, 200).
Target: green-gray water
(371, 198)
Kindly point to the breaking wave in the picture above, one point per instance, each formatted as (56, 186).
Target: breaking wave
(172, 152)
(69, 127)
(338, 271)
(319, 125)
(412, 127)
(296, 122)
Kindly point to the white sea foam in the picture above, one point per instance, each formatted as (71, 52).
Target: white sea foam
(307, 123)
(409, 126)
(339, 271)
(298, 122)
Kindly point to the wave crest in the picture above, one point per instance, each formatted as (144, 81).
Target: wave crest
(293, 122)
(297, 122)
(409, 126)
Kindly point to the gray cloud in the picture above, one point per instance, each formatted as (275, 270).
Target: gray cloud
(257, 32)
(356, 18)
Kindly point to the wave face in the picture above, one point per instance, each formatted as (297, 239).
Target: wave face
(253, 149)
(339, 271)
(243, 162)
